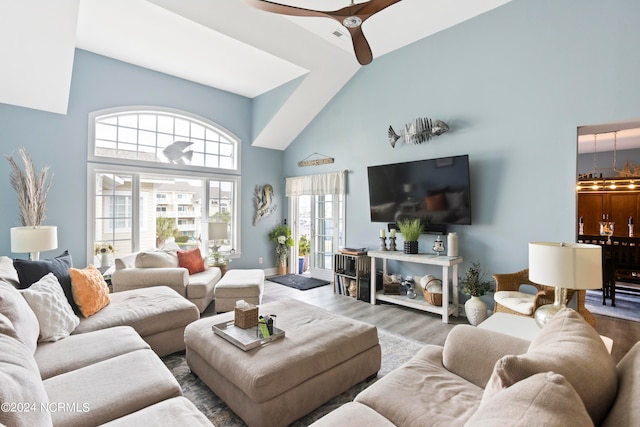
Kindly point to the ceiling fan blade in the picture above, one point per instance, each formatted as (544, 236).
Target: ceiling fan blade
(374, 6)
(282, 9)
(361, 46)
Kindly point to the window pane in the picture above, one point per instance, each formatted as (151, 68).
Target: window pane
(147, 122)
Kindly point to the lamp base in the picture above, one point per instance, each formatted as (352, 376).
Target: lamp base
(546, 312)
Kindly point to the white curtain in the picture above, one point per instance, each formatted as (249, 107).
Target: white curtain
(317, 185)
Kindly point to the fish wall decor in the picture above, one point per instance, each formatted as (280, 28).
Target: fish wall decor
(418, 131)
(175, 152)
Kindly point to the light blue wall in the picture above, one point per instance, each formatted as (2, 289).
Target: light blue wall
(513, 84)
(60, 141)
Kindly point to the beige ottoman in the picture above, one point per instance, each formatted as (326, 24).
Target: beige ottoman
(320, 356)
(237, 285)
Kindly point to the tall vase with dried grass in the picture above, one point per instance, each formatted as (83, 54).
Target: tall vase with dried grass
(31, 188)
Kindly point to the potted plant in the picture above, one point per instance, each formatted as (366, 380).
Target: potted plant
(281, 235)
(103, 250)
(411, 230)
(475, 285)
(304, 249)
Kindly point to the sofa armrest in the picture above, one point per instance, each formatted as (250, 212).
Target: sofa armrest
(136, 278)
(471, 353)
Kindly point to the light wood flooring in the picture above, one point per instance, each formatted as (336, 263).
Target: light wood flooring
(426, 327)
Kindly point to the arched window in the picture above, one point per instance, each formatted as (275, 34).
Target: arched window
(159, 175)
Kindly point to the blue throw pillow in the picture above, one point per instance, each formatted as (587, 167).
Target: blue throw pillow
(29, 272)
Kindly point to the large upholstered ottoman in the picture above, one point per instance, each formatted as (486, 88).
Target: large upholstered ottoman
(235, 285)
(320, 356)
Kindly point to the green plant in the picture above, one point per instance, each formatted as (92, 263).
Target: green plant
(103, 248)
(411, 229)
(281, 235)
(304, 245)
(474, 283)
(165, 228)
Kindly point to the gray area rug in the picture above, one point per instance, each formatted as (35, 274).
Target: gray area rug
(396, 350)
(296, 281)
(627, 306)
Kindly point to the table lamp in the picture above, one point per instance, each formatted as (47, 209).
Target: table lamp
(564, 266)
(34, 239)
(217, 231)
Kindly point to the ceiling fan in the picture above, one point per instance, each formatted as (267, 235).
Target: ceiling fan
(351, 17)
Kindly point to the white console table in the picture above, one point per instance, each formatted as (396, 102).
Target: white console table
(447, 263)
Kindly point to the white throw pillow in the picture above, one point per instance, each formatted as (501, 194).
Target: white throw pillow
(55, 315)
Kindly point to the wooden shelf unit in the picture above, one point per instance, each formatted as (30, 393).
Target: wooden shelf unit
(448, 264)
(347, 267)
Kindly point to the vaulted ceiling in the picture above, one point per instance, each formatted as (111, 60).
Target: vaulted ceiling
(225, 44)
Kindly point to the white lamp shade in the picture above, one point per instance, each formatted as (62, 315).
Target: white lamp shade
(566, 265)
(217, 230)
(34, 239)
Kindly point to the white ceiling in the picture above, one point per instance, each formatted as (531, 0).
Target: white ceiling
(224, 44)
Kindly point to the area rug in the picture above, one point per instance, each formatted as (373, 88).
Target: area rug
(627, 306)
(396, 350)
(301, 283)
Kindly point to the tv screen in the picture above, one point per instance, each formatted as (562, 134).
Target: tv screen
(435, 190)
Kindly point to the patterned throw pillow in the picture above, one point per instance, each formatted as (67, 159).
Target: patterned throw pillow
(191, 260)
(90, 291)
(55, 316)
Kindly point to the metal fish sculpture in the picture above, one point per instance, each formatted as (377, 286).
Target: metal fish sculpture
(263, 200)
(175, 152)
(420, 130)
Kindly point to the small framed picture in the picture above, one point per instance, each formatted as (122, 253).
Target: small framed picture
(444, 162)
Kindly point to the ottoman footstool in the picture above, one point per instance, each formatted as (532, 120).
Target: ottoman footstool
(320, 356)
(235, 285)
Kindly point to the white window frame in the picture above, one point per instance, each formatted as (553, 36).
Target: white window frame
(97, 165)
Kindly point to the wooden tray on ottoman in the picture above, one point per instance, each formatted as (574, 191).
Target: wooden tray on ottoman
(246, 339)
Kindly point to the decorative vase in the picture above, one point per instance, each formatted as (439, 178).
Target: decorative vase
(476, 310)
(411, 247)
(282, 267)
(104, 260)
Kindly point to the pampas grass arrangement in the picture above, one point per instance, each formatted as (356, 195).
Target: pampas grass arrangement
(32, 188)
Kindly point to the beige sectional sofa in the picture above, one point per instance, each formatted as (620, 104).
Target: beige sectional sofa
(103, 372)
(564, 377)
(161, 268)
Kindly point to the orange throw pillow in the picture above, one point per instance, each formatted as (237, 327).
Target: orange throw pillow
(89, 289)
(191, 260)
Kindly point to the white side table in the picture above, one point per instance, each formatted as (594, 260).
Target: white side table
(521, 327)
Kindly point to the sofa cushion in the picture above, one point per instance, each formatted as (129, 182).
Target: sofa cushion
(156, 259)
(353, 414)
(17, 310)
(177, 411)
(21, 383)
(201, 284)
(544, 399)
(8, 272)
(625, 410)
(570, 347)
(55, 316)
(78, 351)
(30, 272)
(90, 291)
(110, 389)
(441, 397)
(191, 260)
(149, 311)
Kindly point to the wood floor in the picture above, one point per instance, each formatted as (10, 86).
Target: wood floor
(426, 327)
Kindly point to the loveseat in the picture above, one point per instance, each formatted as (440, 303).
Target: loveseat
(149, 268)
(564, 377)
(57, 368)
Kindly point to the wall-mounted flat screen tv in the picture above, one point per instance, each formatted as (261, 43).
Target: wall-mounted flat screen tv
(437, 191)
